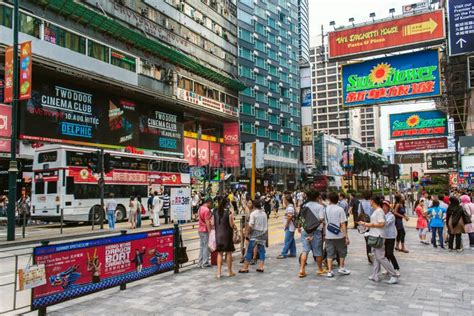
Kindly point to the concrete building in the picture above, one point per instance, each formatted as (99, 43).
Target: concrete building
(270, 110)
(173, 57)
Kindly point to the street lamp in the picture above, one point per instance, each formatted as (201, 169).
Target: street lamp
(13, 167)
(372, 15)
(392, 11)
(349, 176)
(351, 20)
(333, 24)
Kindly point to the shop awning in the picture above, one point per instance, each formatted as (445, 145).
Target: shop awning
(89, 17)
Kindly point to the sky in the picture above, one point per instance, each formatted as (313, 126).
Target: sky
(339, 11)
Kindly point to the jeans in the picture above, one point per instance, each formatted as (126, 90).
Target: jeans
(165, 214)
(290, 244)
(389, 247)
(139, 218)
(439, 231)
(451, 241)
(203, 250)
(260, 248)
(111, 219)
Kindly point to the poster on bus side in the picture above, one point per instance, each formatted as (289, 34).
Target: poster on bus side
(79, 268)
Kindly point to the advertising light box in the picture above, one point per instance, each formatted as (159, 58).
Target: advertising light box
(418, 124)
(391, 79)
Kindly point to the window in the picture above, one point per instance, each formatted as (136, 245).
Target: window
(274, 135)
(212, 94)
(273, 103)
(230, 100)
(248, 3)
(29, 25)
(272, 70)
(199, 88)
(246, 127)
(285, 108)
(273, 86)
(260, 29)
(244, 16)
(272, 23)
(246, 72)
(274, 119)
(63, 38)
(50, 156)
(246, 35)
(272, 54)
(6, 16)
(261, 114)
(248, 92)
(98, 51)
(69, 185)
(260, 62)
(262, 131)
(247, 108)
(245, 53)
(260, 46)
(52, 187)
(272, 38)
(185, 83)
(261, 97)
(261, 80)
(285, 138)
(123, 61)
(39, 187)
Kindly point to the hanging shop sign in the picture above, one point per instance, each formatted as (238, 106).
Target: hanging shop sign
(8, 88)
(422, 144)
(392, 79)
(438, 161)
(64, 111)
(461, 27)
(420, 30)
(208, 103)
(308, 155)
(409, 158)
(26, 63)
(83, 267)
(418, 124)
(231, 133)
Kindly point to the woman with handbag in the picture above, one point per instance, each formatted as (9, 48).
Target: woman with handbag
(455, 220)
(376, 241)
(422, 222)
(399, 211)
(224, 228)
(469, 214)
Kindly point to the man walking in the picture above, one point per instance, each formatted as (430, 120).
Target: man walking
(204, 217)
(353, 208)
(166, 205)
(157, 205)
(337, 239)
(312, 241)
(111, 207)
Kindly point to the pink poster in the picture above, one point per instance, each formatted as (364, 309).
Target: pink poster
(215, 154)
(231, 133)
(203, 153)
(5, 120)
(190, 153)
(231, 156)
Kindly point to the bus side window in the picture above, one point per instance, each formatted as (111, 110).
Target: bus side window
(52, 187)
(39, 187)
(69, 185)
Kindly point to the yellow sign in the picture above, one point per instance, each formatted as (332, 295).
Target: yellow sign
(307, 133)
(418, 28)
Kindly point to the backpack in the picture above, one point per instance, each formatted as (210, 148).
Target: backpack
(310, 222)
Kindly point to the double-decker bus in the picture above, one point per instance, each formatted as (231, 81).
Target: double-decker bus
(62, 180)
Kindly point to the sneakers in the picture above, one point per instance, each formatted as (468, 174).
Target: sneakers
(397, 273)
(343, 271)
(206, 265)
(330, 274)
(393, 280)
(375, 279)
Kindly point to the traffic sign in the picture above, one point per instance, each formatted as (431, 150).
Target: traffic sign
(461, 27)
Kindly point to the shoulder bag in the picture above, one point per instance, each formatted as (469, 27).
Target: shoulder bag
(375, 242)
(333, 228)
(466, 216)
(182, 256)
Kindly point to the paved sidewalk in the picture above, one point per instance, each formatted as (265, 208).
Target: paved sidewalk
(433, 282)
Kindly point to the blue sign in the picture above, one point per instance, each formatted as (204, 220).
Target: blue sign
(418, 124)
(461, 27)
(306, 97)
(392, 79)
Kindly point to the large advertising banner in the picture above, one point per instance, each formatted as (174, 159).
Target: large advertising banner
(409, 158)
(388, 36)
(467, 164)
(8, 89)
(422, 144)
(231, 133)
(334, 156)
(461, 27)
(438, 161)
(79, 268)
(418, 124)
(392, 79)
(64, 111)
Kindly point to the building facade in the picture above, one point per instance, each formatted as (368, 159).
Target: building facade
(158, 76)
(270, 110)
(303, 26)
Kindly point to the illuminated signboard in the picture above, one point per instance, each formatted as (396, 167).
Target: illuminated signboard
(388, 36)
(64, 110)
(418, 124)
(391, 79)
(422, 144)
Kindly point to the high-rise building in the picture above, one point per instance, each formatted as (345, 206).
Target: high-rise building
(303, 30)
(157, 75)
(329, 117)
(270, 110)
(370, 128)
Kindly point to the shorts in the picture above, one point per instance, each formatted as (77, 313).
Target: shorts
(422, 231)
(336, 247)
(315, 245)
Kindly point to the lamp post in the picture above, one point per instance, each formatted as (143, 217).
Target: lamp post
(348, 154)
(13, 167)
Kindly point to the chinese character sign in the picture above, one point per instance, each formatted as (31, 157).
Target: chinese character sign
(180, 201)
(8, 92)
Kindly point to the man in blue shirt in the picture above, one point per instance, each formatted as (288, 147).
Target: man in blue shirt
(437, 215)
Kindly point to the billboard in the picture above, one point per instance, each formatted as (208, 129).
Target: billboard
(306, 97)
(422, 144)
(334, 156)
(65, 110)
(440, 161)
(418, 124)
(461, 27)
(78, 268)
(231, 133)
(26, 63)
(392, 79)
(407, 32)
(8, 69)
(308, 156)
(467, 164)
(409, 158)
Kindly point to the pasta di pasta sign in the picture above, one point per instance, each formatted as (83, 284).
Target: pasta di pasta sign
(392, 79)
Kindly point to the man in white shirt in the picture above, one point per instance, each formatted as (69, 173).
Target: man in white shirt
(111, 207)
(157, 205)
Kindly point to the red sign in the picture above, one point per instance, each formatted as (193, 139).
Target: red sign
(422, 144)
(84, 175)
(8, 92)
(388, 36)
(5, 120)
(5, 145)
(78, 268)
(231, 133)
(25, 70)
(231, 156)
(203, 153)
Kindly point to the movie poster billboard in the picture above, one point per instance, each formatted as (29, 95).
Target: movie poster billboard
(66, 111)
(417, 30)
(78, 268)
(418, 124)
(392, 79)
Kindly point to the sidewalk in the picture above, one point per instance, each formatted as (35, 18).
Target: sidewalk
(433, 282)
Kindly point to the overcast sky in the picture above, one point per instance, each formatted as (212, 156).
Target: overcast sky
(339, 11)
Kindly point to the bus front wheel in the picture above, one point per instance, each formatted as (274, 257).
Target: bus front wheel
(120, 214)
(96, 215)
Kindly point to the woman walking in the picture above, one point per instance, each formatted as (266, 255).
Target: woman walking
(390, 236)
(132, 218)
(289, 227)
(437, 215)
(399, 211)
(469, 209)
(422, 223)
(223, 224)
(454, 218)
(376, 241)
(258, 235)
